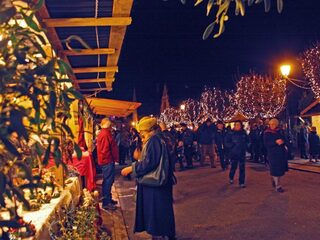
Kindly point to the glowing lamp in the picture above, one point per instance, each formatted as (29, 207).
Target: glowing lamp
(285, 70)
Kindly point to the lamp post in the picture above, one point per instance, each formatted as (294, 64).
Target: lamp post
(285, 70)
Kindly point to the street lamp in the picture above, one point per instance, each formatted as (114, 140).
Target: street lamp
(285, 71)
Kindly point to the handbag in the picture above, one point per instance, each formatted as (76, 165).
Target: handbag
(158, 177)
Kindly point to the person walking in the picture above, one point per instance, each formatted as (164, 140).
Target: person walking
(314, 144)
(277, 153)
(219, 142)
(205, 137)
(108, 154)
(236, 142)
(154, 205)
(187, 137)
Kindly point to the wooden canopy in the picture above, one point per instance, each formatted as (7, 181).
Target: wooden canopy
(101, 24)
(312, 110)
(110, 107)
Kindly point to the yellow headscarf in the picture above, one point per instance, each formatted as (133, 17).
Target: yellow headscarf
(146, 123)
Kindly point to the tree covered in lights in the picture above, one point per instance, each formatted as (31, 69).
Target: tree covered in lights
(192, 113)
(311, 67)
(217, 104)
(260, 96)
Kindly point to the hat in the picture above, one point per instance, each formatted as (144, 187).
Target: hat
(146, 123)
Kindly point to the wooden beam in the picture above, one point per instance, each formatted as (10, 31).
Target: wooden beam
(95, 80)
(94, 89)
(87, 22)
(108, 69)
(95, 51)
(54, 38)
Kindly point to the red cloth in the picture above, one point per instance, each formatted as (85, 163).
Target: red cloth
(81, 139)
(85, 167)
(107, 148)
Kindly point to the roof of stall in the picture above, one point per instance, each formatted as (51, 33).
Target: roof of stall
(101, 24)
(110, 107)
(312, 110)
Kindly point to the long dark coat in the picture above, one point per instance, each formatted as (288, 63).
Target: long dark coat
(154, 207)
(277, 154)
(314, 143)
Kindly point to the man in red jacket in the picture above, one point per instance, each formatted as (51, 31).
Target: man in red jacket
(108, 154)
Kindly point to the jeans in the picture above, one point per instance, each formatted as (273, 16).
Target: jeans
(235, 161)
(108, 179)
(207, 149)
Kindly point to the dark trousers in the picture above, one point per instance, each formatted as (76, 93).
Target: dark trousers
(188, 155)
(303, 151)
(235, 161)
(207, 150)
(108, 179)
(221, 156)
(123, 152)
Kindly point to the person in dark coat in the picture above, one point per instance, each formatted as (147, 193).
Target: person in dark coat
(274, 141)
(187, 137)
(205, 137)
(219, 142)
(314, 144)
(303, 141)
(236, 142)
(154, 205)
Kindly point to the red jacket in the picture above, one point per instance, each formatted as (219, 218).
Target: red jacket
(107, 148)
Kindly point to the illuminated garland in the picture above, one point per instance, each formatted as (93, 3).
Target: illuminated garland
(192, 113)
(260, 96)
(217, 104)
(311, 67)
(170, 116)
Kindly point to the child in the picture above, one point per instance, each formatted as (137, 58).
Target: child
(314, 142)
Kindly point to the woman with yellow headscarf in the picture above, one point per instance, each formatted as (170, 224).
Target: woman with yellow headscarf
(154, 205)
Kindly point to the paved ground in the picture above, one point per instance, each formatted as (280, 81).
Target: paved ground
(207, 207)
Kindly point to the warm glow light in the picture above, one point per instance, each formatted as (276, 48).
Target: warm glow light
(133, 124)
(183, 107)
(285, 70)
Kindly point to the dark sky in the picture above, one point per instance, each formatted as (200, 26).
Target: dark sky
(164, 45)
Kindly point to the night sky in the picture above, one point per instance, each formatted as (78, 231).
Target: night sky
(164, 45)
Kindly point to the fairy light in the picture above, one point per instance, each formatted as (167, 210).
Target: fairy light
(310, 62)
(260, 96)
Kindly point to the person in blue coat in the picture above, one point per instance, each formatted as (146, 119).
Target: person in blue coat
(154, 205)
(274, 141)
(236, 142)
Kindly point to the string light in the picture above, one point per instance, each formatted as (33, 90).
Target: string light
(311, 67)
(260, 96)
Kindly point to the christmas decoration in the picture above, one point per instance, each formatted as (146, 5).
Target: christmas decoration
(191, 113)
(310, 62)
(170, 116)
(217, 104)
(260, 96)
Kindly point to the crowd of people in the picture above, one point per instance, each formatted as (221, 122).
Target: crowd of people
(154, 151)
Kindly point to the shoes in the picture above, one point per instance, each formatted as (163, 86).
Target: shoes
(114, 202)
(109, 207)
(280, 189)
(230, 181)
(242, 185)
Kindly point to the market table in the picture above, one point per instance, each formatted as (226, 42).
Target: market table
(86, 168)
(47, 213)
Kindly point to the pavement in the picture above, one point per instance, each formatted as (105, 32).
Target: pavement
(208, 207)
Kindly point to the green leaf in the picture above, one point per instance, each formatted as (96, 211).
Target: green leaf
(20, 197)
(221, 29)
(198, 2)
(209, 6)
(64, 67)
(208, 30)
(53, 101)
(57, 155)
(78, 151)
(30, 22)
(47, 155)
(67, 129)
(16, 123)
(38, 5)
(75, 93)
(9, 146)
